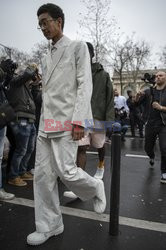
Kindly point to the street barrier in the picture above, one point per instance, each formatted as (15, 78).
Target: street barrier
(115, 181)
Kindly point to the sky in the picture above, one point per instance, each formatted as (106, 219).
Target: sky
(18, 21)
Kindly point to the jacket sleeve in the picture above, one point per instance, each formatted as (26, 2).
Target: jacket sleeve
(2, 75)
(110, 111)
(82, 107)
(26, 76)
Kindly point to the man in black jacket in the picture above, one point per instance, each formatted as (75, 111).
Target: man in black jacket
(3, 194)
(134, 114)
(20, 98)
(156, 120)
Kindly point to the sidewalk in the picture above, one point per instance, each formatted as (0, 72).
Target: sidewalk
(142, 210)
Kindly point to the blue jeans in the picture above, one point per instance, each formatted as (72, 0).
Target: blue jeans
(124, 126)
(25, 136)
(2, 139)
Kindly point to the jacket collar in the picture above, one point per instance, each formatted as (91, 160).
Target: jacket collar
(55, 54)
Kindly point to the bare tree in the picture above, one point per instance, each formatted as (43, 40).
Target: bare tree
(140, 52)
(129, 56)
(121, 53)
(5, 51)
(20, 57)
(38, 52)
(97, 27)
(163, 55)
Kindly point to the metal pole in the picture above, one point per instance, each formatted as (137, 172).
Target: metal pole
(115, 184)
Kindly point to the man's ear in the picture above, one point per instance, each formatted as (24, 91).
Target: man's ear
(59, 20)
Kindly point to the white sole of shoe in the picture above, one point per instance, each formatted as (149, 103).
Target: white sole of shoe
(70, 195)
(7, 199)
(22, 185)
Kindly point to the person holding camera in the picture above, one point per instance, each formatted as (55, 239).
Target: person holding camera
(3, 194)
(20, 98)
(154, 100)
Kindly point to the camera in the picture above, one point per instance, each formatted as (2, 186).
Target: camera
(9, 67)
(13, 66)
(149, 78)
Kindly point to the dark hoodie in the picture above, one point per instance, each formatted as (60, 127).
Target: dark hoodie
(102, 101)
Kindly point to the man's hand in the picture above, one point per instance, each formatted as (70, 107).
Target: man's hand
(77, 132)
(157, 106)
(138, 95)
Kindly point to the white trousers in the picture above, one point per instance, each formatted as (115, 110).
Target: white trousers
(56, 157)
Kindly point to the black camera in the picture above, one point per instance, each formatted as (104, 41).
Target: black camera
(8, 66)
(149, 78)
(14, 66)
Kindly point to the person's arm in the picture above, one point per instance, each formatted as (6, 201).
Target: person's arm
(82, 107)
(125, 105)
(110, 111)
(23, 78)
(158, 106)
(129, 103)
(2, 75)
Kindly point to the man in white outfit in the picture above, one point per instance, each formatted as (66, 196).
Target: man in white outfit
(67, 88)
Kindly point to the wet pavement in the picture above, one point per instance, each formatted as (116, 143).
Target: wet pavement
(142, 209)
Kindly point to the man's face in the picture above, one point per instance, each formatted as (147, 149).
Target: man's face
(116, 93)
(50, 27)
(160, 78)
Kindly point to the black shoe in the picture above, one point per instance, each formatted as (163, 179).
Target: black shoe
(163, 178)
(151, 162)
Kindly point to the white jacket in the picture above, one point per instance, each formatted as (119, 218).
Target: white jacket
(67, 85)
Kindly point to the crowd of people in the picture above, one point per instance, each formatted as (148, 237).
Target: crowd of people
(77, 106)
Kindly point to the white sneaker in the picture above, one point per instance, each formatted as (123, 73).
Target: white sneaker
(70, 194)
(5, 196)
(36, 238)
(99, 173)
(32, 171)
(99, 201)
(163, 178)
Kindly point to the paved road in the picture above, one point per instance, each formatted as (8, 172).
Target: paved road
(142, 210)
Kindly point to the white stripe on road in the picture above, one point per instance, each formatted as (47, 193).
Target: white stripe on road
(137, 156)
(143, 224)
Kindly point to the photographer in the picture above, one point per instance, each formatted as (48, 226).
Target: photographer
(154, 100)
(3, 195)
(20, 98)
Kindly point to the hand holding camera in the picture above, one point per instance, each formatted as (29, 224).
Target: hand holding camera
(32, 72)
(8, 66)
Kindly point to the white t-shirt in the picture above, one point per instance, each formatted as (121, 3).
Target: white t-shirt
(119, 102)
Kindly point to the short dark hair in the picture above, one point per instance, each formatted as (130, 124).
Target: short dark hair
(53, 10)
(91, 49)
(129, 91)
